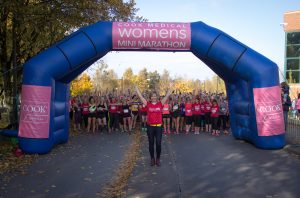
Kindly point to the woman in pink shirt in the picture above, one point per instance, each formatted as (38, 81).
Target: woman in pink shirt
(298, 106)
(154, 121)
(197, 115)
(215, 118)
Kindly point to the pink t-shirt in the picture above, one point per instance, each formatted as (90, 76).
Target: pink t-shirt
(154, 112)
(298, 104)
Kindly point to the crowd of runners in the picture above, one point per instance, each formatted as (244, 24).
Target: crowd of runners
(186, 113)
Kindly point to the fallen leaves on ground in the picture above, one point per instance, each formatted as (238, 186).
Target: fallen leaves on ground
(10, 163)
(118, 183)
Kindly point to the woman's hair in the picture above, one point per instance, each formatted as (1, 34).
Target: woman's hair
(91, 97)
(283, 83)
(152, 93)
(85, 99)
(298, 95)
(215, 101)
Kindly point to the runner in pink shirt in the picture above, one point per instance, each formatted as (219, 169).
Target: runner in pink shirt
(215, 118)
(298, 106)
(197, 115)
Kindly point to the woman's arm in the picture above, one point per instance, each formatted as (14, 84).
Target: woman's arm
(163, 101)
(80, 99)
(129, 93)
(194, 96)
(107, 98)
(144, 101)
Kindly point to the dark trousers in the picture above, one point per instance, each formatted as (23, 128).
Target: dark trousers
(285, 117)
(207, 118)
(154, 135)
(222, 122)
(114, 120)
(85, 119)
(214, 122)
(202, 121)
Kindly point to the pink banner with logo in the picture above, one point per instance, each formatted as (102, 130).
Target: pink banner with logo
(153, 36)
(268, 109)
(35, 112)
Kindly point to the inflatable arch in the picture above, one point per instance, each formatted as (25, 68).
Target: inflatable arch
(252, 80)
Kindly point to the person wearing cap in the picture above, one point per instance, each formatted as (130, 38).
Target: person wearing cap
(154, 122)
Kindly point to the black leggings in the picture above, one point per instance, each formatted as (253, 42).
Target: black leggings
(222, 121)
(215, 123)
(85, 119)
(114, 120)
(154, 132)
(207, 118)
(202, 120)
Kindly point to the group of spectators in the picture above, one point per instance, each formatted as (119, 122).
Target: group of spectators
(295, 108)
(182, 112)
(290, 107)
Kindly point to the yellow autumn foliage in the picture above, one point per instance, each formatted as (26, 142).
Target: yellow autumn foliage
(183, 86)
(81, 84)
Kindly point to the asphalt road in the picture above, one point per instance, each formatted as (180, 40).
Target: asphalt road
(80, 168)
(192, 166)
(206, 166)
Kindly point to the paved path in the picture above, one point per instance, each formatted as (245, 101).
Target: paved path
(147, 181)
(206, 166)
(79, 168)
(192, 166)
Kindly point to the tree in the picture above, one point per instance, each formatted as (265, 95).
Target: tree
(127, 79)
(196, 84)
(218, 84)
(215, 84)
(111, 80)
(165, 81)
(35, 25)
(208, 85)
(141, 80)
(100, 76)
(183, 85)
(82, 84)
(154, 79)
(104, 78)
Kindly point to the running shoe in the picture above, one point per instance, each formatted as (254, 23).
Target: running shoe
(158, 162)
(152, 163)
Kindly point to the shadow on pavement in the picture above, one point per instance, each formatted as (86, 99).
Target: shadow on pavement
(80, 168)
(206, 166)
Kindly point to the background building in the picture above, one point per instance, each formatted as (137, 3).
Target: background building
(292, 50)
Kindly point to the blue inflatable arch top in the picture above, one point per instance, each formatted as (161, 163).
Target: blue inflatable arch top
(251, 79)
